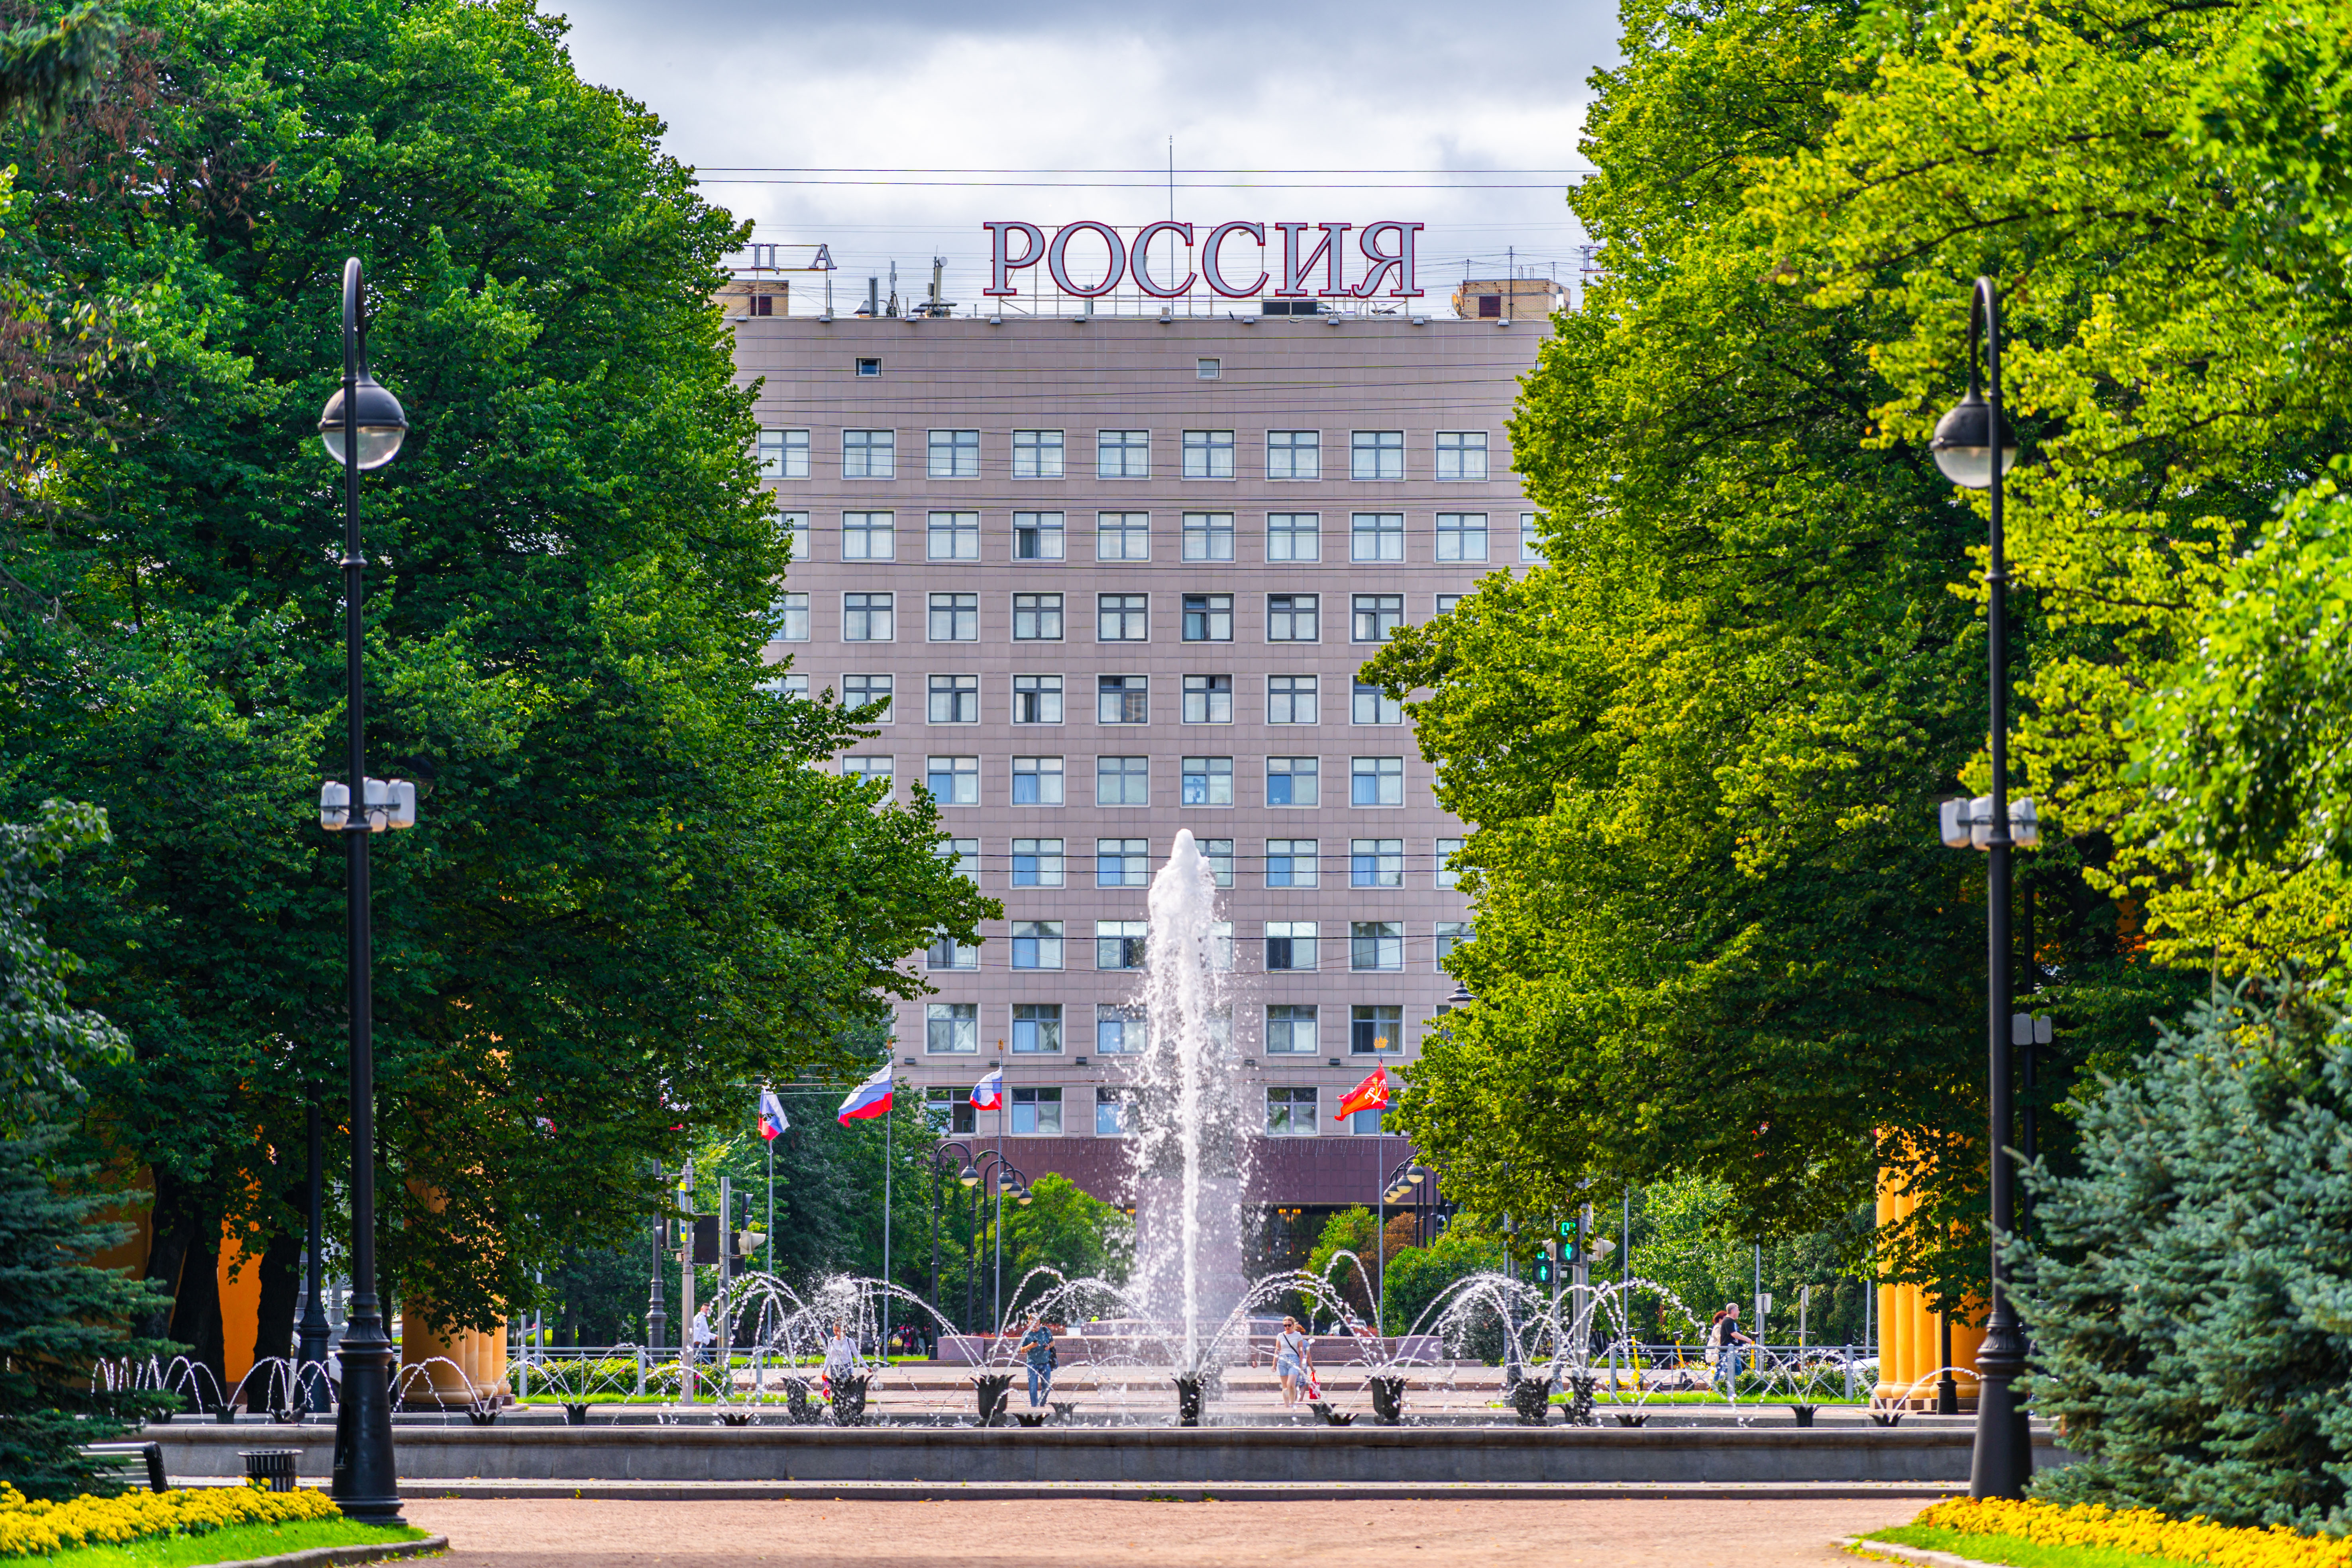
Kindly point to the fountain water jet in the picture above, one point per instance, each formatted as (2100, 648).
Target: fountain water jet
(1189, 1143)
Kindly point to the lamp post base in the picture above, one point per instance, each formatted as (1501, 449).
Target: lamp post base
(2003, 1460)
(366, 1484)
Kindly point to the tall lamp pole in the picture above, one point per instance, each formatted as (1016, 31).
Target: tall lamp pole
(361, 429)
(1974, 447)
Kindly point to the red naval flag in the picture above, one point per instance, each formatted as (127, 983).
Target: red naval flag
(1372, 1094)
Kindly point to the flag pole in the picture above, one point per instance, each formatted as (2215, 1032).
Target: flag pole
(890, 1131)
(770, 1142)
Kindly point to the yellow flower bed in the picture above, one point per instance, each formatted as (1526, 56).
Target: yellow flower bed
(2141, 1530)
(29, 1527)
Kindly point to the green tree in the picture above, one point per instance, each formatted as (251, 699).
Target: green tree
(1352, 1230)
(2191, 1305)
(60, 1321)
(638, 884)
(1717, 933)
(1418, 1276)
(1067, 1229)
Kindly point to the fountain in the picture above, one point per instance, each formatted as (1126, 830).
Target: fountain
(1188, 1144)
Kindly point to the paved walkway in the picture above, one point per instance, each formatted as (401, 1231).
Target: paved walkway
(1700, 1533)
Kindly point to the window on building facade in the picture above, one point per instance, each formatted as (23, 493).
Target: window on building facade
(1038, 781)
(1370, 705)
(1038, 1111)
(1376, 536)
(1375, 944)
(951, 1029)
(1290, 1030)
(1036, 454)
(788, 618)
(869, 535)
(1372, 616)
(1122, 618)
(946, 952)
(1036, 617)
(873, 770)
(1208, 781)
(1219, 853)
(1376, 781)
(1208, 617)
(870, 454)
(1292, 781)
(1293, 536)
(1122, 780)
(1122, 453)
(955, 454)
(1294, 454)
(1122, 536)
(1375, 1031)
(1376, 455)
(954, 617)
(950, 1110)
(1530, 547)
(1111, 1105)
(1460, 455)
(1447, 877)
(866, 691)
(1461, 536)
(1293, 699)
(783, 454)
(952, 536)
(1376, 863)
(1444, 603)
(790, 684)
(1037, 863)
(1289, 1112)
(961, 856)
(1036, 944)
(1037, 1031)
(1208, 699)
(1122, 700)
(798, 536)
(1119, 944)
(952, 699)
(1292, 617)
(1289, 945)
(1208, 536)
(1122, 863)
(1036, 700)
(869, 367)
(1208, 454)
(952, 781)
(1451, 934)
(1037, 536)
(1293, 863)
(1121, 1029)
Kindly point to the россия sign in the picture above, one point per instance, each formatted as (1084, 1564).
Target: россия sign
(1386, 247)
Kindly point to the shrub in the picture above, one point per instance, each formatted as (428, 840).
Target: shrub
(2190, 1299)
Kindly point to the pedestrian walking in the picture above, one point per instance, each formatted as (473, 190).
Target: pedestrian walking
(1037, 1350)
(1725, 1348)
(701, 1335)
(1293, 1360)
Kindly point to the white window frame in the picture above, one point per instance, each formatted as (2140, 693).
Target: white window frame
(1284, 468)
(1039, 454)
(1122, 453)
(1460, 456)
(1376, 455)
(884, 604)
(961, 450)
(876, 459)
(869, 529)
(1208, 455)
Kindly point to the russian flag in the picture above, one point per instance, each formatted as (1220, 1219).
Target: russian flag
(868, 1100)
(772, 1116)
(988, 1094)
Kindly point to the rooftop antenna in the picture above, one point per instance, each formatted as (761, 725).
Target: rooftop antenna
(894, 289)
(939, 266)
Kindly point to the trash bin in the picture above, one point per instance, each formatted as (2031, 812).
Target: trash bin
(275, 1466)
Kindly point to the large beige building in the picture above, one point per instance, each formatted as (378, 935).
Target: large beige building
(1115, 576)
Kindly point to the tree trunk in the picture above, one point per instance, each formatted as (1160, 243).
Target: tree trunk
(282, 1300)
(185, 1260)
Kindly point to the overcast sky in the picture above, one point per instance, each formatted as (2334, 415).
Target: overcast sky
(1032, 84)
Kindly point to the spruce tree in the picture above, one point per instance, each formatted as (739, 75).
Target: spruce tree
(2191, 1294)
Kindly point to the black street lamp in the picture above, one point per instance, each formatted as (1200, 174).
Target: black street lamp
(310, 1393)
(1974, 446)
(361, 429)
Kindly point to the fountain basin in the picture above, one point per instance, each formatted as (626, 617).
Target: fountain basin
(1432, 1456)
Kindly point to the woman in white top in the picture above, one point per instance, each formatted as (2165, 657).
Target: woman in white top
(840, 1353)
(1294, 1359)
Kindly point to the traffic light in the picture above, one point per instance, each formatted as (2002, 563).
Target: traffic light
(1541, 1272)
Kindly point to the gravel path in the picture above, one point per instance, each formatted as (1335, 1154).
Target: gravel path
(1618, 1533)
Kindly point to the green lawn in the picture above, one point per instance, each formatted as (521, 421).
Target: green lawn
(2017, 1552)
(237, 1544)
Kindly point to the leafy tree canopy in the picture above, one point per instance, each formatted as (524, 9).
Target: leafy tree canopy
(638, 883)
